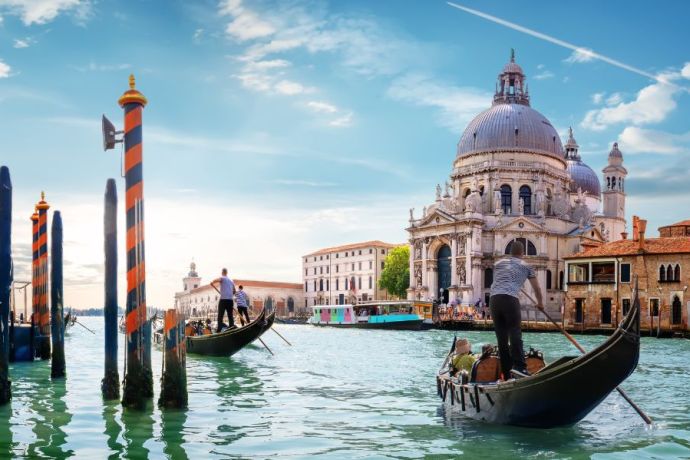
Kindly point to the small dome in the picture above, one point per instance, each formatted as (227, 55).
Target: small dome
(512, 67)
(615, 153)
(584, 178)
(508, 127)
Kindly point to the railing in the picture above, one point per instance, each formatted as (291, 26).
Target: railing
(538, 165)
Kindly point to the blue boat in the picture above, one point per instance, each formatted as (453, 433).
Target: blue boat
(398, 315)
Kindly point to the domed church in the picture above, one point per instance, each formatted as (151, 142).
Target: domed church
(512, 179)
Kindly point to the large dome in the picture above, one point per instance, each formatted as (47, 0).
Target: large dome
(584, 178)
(509, 126)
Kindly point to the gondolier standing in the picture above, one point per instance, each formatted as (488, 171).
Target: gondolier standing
(227, 290)
(242, 305)
(509, 276)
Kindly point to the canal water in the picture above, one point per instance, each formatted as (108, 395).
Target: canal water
(333, 394)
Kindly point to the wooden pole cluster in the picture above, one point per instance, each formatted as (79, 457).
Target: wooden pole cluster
(57, 318)
(6, 278)
(42, 288)
(174, 379)
(110, 385)
(138, 382)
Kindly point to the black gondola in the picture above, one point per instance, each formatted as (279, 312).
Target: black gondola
(230, 341)
(560, 394)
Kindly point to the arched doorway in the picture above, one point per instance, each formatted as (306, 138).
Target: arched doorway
(444, 273)
(676, 311)
(291, 305)
(268, 304)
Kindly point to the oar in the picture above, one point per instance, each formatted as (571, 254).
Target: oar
(452, 347)
(84, 327)
(572, 340)
(280, 335)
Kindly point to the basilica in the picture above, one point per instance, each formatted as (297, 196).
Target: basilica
(512, 179)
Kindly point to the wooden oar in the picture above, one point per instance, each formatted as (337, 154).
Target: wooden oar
(572, 340)
(84, 327)
(280, 335)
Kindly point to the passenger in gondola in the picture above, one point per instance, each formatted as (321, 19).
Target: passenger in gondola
(463, 359)
(510, 275)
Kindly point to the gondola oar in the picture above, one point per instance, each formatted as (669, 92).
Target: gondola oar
(84, 327)
(280, 335)
(572, 340)
(452, 348)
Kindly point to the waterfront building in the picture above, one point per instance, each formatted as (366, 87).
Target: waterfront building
(344, 274)
(197, 299)
(600, 282)
(512, 180)
(678, 229)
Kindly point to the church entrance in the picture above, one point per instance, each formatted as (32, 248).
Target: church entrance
(676, 311)
(444, 273)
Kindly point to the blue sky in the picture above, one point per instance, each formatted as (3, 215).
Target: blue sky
(275, 128)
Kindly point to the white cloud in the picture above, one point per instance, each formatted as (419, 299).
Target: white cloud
(640, 140)
(266, 65)
(245, 25)
(255, 81)
(290, 88)
(456, 105)
(614, 99)
(198, 34)
(322, 107)
(4, 70)
(544, 75)
(44, 11)
(598, 98)
(581, 55)
(94, 67)
(22, 42)
(652, 104)
(305, 183)
(342, 122)
(685, 72)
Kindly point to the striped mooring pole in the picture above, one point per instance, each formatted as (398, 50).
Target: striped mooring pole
(6, 278)
(34, 279)
(138, 382)
(174, 380)
(110, 385)
(57, 318)
(43, 312)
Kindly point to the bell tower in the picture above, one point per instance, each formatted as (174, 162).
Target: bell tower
(192, 280)
(511, 87)
(614, 180)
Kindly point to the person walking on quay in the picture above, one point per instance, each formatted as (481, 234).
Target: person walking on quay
(227, 290)
(242, 305)
(509, 276)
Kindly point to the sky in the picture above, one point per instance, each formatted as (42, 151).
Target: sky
(275, 128)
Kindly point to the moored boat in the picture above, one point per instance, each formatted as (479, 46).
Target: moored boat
(398, 315)
(230, 341)
(559, 394)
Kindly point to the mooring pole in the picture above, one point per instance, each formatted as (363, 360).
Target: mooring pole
(110, 385)
(44, 313)
(146, 352)
(34, 281)
(137, 381)
(174, 379)
(57, 319)
(6, 278)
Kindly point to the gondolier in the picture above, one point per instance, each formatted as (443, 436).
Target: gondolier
(242, 305)
(510, 275)
(227, 291)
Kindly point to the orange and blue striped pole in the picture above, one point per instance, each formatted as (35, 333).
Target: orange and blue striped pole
(174, 379)
(43, 312)
(138, 382)
(34, 279)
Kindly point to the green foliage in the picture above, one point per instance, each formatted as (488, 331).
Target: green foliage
(395, 277)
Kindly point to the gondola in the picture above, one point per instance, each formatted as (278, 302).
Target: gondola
(560, 394)
(230, 341)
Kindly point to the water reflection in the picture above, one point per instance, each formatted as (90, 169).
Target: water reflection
(172, 428)
(6, 444)
(138, 431)
(50, 414)
(113, 429)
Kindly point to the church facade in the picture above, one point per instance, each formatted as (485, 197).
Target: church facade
(512, 179)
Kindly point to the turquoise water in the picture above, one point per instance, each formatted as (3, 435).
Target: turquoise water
(336, 393)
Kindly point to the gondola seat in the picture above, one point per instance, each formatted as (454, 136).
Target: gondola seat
(486, 369)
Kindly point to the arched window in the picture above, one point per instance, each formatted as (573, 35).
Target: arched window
(526, 197)
(669, 273)
(346, 284)
(488, 277)
(548, 279)
(676, 273)
(662, 273)
(337, 284)
(613, 182)
(321, 285)
(530, 248)
(549, 199)
(560, 280)
(506, 199)
(371, 282)
(608, 183)
(291, 304)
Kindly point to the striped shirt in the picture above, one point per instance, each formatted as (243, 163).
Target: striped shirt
(509, 276)
(241, 298)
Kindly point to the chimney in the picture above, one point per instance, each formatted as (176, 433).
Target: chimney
(635, 228)
(624, 235)
(642, 227)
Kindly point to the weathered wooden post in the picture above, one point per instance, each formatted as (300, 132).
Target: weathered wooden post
(110, 385)
(147, 333)
(174, 379)
(57, 327)
(137, 381)
(43, 312)
(6, 278)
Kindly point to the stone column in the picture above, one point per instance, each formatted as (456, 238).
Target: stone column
(413, 281)
(453, 261)
(425, 276)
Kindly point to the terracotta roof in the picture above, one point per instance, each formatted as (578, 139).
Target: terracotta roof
(347, 247)
(682, 223)
(255, 283)
(671, 245)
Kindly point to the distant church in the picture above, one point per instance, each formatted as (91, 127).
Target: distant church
(512, 179)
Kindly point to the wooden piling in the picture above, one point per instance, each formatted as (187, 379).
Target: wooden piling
(6, 278)
(146, 331)
(43, 312)
(110, 385)
(57, 318)
(174, 379)
(34, 282)
(137, 381)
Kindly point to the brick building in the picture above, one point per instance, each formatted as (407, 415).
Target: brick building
(599, 282)
(678, 229)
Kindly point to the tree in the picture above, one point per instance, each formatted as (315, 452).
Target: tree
(395, 276)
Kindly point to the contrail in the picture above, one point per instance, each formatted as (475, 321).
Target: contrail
(583, 51)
